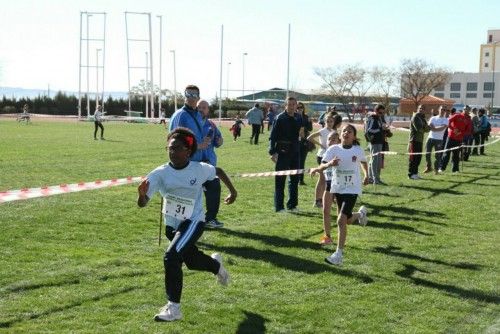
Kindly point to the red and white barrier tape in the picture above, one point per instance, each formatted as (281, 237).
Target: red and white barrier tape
(27, 193)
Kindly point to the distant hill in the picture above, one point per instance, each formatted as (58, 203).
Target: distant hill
(18, 93)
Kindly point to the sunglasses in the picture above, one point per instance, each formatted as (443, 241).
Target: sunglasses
(191, 95)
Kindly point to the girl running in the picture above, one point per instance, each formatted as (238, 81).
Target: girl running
(326, 239)
(332, 123)
(345, 184)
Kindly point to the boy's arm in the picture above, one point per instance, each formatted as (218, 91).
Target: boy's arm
(225, 179)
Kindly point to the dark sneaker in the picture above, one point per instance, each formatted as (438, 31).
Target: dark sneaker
(214, 223)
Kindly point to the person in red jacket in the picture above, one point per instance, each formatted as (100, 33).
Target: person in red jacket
(458, 127)
(468, 138)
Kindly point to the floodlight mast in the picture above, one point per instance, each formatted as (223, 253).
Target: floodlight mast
(87, 65)
(149, 65)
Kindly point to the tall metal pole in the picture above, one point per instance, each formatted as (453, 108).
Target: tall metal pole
(128, 63)
(288, 66)
(146, 94)
(103, 61)
(97, 78)
(151, 68)
(227, 80)
(80, 72)
(243, 84)
(159, 80)
(88, 65)
(175, 83)
(221, 67)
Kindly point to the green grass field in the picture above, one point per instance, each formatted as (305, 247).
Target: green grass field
(428, 261)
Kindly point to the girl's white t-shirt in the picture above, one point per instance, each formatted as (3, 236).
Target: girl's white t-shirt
(346, 177)
(323, 139)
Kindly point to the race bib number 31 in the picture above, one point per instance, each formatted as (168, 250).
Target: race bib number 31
(178, 207)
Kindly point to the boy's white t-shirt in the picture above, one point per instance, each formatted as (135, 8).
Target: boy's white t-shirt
(437, 121)
(323, 139)
(346, 178)
(181, 190)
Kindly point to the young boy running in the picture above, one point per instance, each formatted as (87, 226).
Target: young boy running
(180, 182)
(345, 184)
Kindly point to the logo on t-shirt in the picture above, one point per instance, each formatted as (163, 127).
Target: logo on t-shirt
(192, 182)
(354, 158)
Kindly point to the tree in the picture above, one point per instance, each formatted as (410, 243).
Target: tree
(386, 83)
(419, 78)
(347, 83)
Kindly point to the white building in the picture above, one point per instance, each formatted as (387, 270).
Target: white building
(477, 88)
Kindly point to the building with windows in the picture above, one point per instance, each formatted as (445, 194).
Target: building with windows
(482, 88)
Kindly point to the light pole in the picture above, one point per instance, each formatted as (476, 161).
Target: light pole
(227, 80)
(243, 85)
(159, 83)
(97, 78)
(88, 73)
(146, 94)
(175, 83)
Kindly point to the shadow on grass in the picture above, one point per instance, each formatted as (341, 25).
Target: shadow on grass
(290, 262)
(434, 191)
(35, 315)
(395, 251)
(253, 324)
(392, 226)
(272, 240)
(374, 193)
(26, 286)
(480, 296)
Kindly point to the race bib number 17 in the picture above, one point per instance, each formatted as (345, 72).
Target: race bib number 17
(178, 207)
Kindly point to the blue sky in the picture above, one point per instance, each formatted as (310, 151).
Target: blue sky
(39, 40)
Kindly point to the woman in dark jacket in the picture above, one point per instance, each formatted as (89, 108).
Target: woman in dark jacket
(303, 143)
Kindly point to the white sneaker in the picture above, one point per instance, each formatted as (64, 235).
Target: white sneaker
(169, 312)
(222, 275)
(415, 177)
(363, 216)
(335, 259)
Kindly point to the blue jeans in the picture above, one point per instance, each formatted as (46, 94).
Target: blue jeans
(375, 162)
(286, 162)
(437, 144)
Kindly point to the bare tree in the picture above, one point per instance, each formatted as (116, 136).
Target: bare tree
(340, 82)
(386, 83)
(347, 84)
(419, 78)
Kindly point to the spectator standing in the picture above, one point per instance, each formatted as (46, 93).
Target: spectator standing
(374, 133)
(212, 188)
(304, 144)
(98, 122)
(418, 127)
(485, 129)
(163, 117)
(468, 135)
(189, 117)
(255, 118)
(284, 152)
(476, 130)
(457, 128)
(437, 125)
(271, 114)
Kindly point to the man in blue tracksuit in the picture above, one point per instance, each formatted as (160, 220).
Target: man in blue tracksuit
(189, 117)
